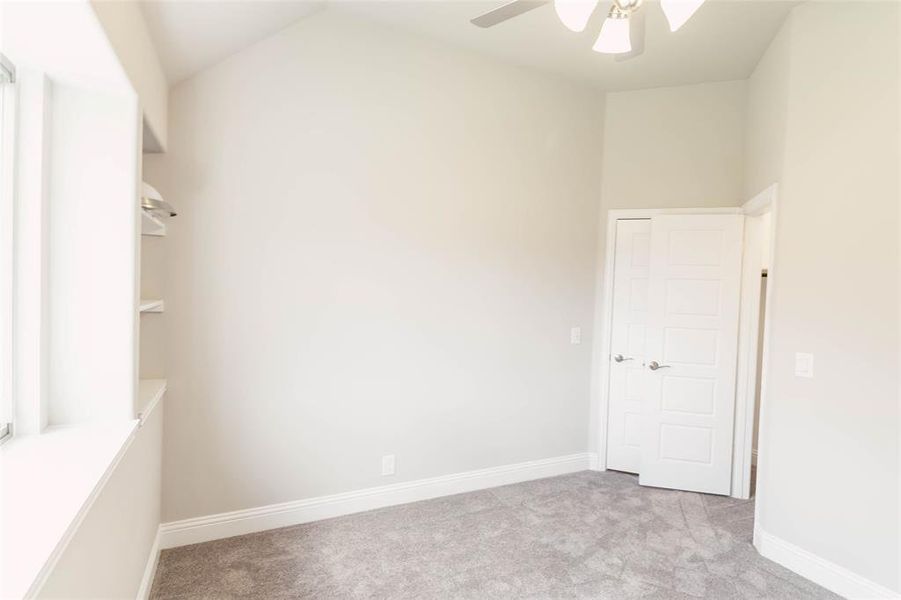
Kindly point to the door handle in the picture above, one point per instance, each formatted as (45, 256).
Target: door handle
(654, 365)
(621, 358)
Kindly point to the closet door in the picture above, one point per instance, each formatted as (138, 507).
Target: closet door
(630, 313)
(692, 340)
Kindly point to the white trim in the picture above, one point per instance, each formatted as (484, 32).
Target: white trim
(150, 392)
(240, 522)
(819, 570)
(151, 224)
(152, 306)
(746, 375)
(601, 363)
(31, 253)
(746, 371)
(771, 194)
(762, 203)
(153, 560)
(8, 102)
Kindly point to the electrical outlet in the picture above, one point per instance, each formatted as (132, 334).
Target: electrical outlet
(803, 364)
(575, 335)
(388, 464)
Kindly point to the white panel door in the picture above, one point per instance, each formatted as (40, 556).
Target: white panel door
(692, 334)
(630, 313)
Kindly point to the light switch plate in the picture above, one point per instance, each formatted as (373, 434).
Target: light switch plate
(575, 335)
(388, 464)
(803, 364)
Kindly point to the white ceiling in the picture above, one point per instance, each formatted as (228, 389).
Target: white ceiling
(723, 41)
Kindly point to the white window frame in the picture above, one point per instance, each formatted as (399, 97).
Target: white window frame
(7, 164)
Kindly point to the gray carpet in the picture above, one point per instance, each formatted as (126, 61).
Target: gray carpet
(586, 535)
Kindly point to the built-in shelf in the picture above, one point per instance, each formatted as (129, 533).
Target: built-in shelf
(50, 482)
(149, 393)
(152, 306)
(152, 224)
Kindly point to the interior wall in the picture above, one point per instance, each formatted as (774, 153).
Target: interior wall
(677, 147)
(101, 561)
(381, 247)
(766, 110)
(829, 464)
(126, 30)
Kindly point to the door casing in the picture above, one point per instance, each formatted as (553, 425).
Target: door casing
(763, 203)
(766, 201)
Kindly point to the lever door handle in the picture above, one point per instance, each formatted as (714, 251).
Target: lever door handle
(621, 358)
(654, 365)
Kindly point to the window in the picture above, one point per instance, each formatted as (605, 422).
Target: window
(7, 106)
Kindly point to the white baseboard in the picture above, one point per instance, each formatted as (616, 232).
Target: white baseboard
(819, 570)
(150, 570)
(240, 522)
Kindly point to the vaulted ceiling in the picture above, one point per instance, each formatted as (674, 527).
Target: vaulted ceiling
(192, 35)
(723, 41)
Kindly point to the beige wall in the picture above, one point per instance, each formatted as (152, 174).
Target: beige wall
(109, 552)
(381, 247)
(675, 147)
(828, 476)
(124, 25)
(766, 122)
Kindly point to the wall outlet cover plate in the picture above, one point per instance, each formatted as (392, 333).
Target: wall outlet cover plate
(388, 464)
(803, 364)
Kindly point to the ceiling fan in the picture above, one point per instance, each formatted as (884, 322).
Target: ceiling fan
(622, 33)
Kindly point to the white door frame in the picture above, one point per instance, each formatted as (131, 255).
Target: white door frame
(604, 325)
(746, 382)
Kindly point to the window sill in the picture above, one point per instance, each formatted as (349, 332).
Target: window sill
(49, 482)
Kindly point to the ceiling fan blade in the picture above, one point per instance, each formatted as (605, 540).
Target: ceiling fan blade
(506, 11)
(636, 35)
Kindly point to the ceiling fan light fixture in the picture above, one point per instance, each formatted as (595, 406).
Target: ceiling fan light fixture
(614, 37)
(574, 14)
(678, 12)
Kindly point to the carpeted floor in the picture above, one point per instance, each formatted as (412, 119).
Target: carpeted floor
(586, 535)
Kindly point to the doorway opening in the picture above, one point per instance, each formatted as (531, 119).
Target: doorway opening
(676, 321)
(760, 330)
(750, 394)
